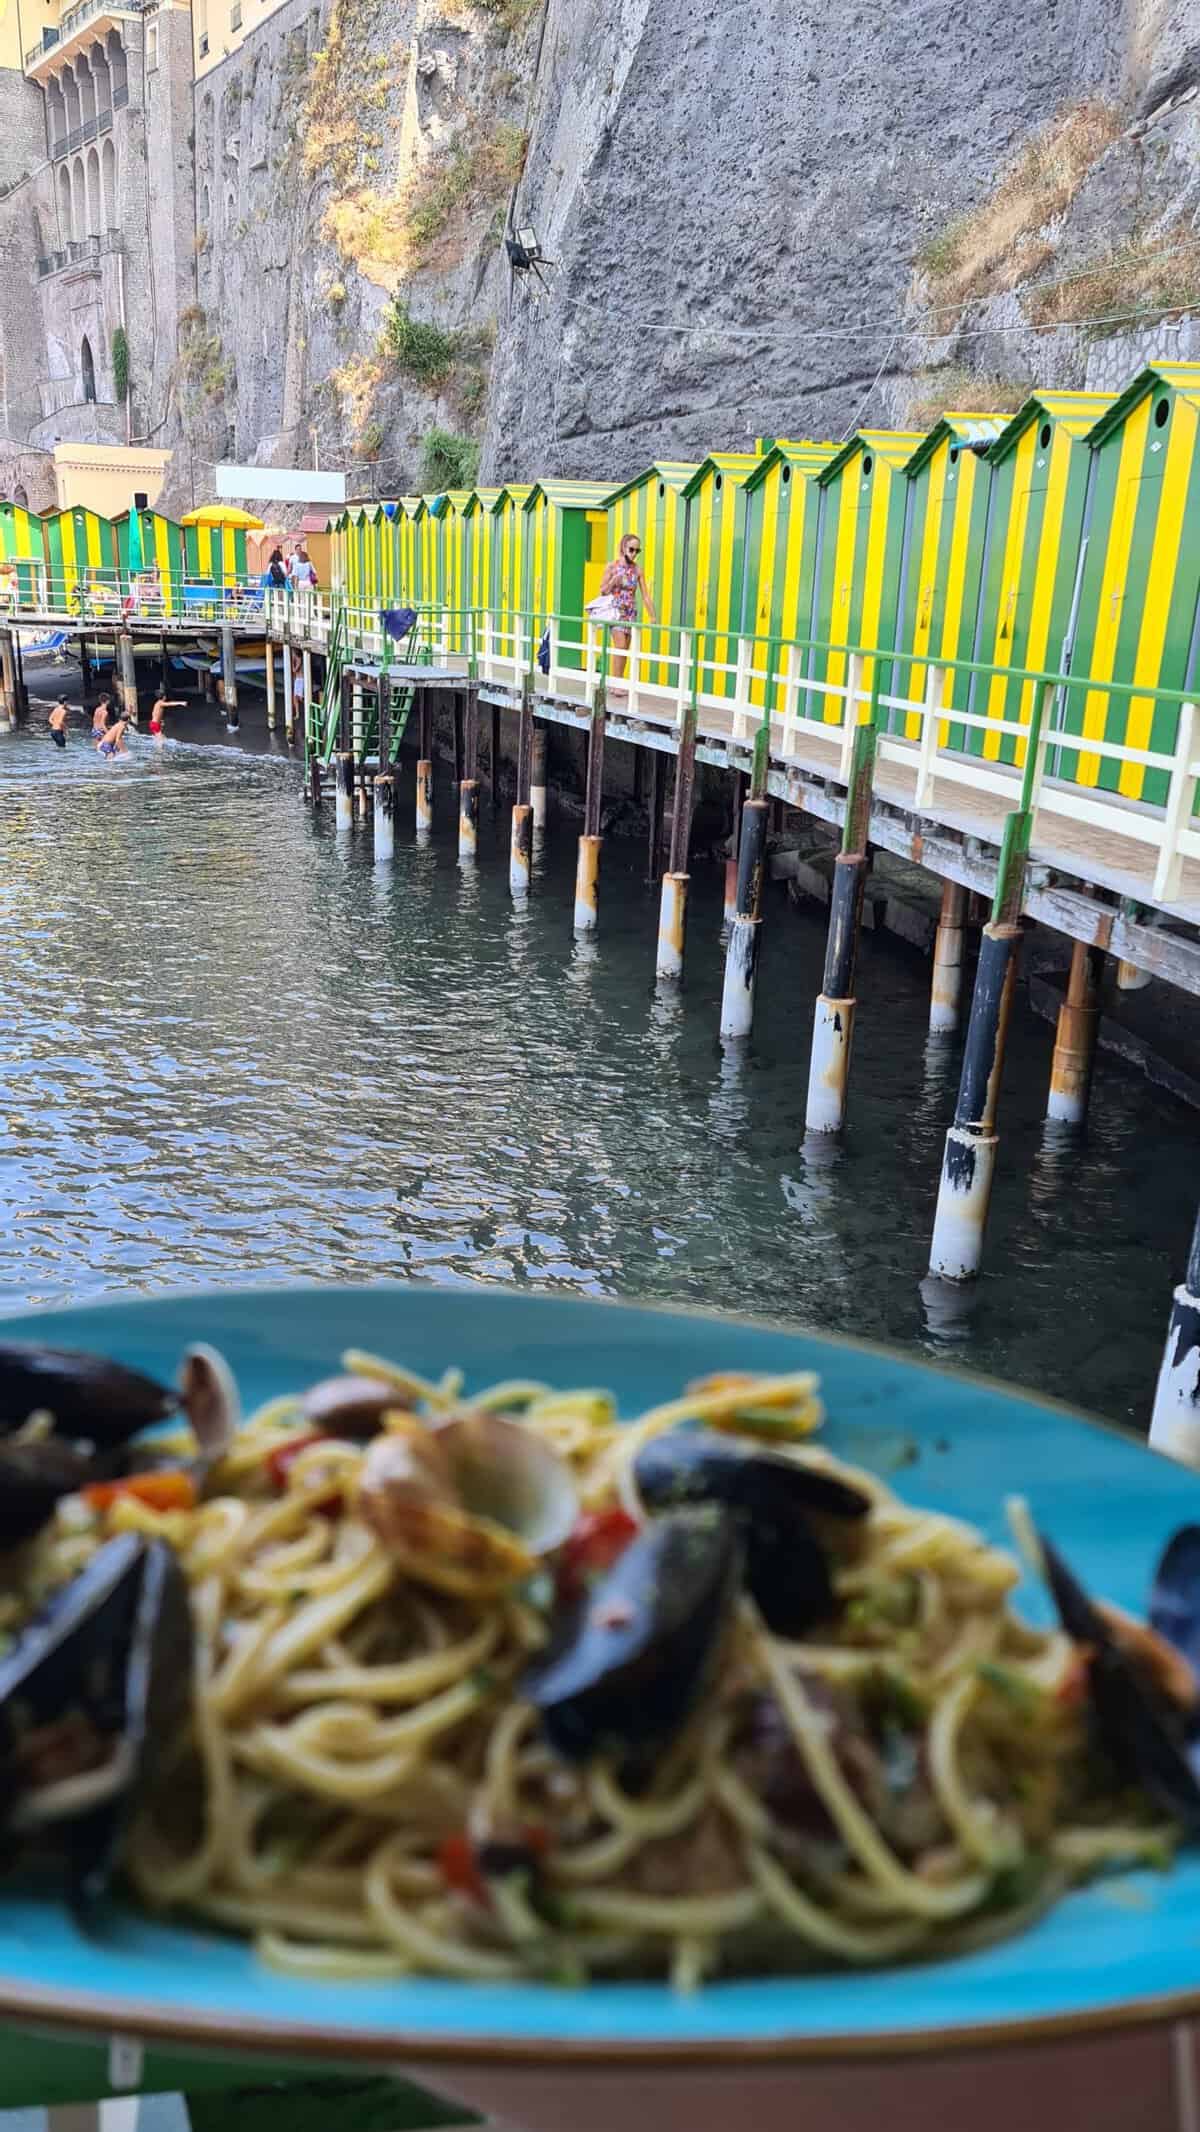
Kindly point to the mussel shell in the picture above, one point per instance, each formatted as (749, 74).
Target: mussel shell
(629, 1664)
(348, 1406)
(91, 1399)
(34, 1476)
(113, 1648)
(1148, 1739)
(787, 1571)
(1175, 1596)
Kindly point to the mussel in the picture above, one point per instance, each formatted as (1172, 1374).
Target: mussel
(93, 1408)
(89, 1398)
(1151, 1736)
(773, 1501)
(92, 1695)
(471, 1506)
(630, 1663)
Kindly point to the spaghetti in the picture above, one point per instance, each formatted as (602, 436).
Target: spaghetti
(367, 1789)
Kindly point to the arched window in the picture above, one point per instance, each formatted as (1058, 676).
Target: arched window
(88, 369)
(70, 89)
(94, 222)
(20, 498)
(117, 67)
(87, 92)
(64, 204)
(108, 186)
(78, 201)
(56, 115)
(102, 79)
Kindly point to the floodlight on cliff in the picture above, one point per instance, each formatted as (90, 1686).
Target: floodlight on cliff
(525, 254)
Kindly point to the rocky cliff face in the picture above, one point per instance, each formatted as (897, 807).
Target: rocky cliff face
(766, 216)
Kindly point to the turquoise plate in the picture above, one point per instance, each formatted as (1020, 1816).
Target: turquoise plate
(1125, 1949)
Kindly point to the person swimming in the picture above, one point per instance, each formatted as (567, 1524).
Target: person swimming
(113, 741)
(161, 704)
(58, 723)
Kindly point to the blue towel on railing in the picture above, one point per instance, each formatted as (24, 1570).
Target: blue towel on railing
(397, 621)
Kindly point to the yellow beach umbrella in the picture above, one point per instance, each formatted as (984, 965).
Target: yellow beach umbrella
(220, 514)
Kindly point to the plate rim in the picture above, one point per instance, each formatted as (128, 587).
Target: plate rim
(87, 2012)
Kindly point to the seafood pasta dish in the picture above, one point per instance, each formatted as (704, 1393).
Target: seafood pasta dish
(392, 1677)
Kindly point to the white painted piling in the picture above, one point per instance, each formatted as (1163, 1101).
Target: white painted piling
(672, 926)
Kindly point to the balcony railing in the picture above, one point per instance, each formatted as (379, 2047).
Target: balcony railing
(79, 251)
(74, 20)
(67, 143)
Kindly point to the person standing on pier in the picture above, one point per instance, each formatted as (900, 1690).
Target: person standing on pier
(623, 581)
(58, 723)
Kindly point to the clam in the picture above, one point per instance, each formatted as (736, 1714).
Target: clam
(1147, 1714)
(630, 1663)
(91, 1696)
(209, 1398)
(470, 1507)
(773, 1501)
(350, 1406)
(90, 1398)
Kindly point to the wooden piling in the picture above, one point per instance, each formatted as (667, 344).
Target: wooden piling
(673, 901)
(385, 815)
(22, 686)
(424, 797)
(459, 741)
(8, 680)
(287, 683)
(85, 670)
(470, 698)
(520, 855)
(127, 693)
(229, 676)
(468, 817)
(833, 1021)
(969, 1161)
(587, 865)
(741, 953)
(655, 807)
(495, 776)
(731, 863)
(537, 779)
(1175, 1421)
(344, 789)
(946, 988)
(314, 781)
(1075, 1038)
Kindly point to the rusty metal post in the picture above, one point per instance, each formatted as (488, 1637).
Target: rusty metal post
(1075, 1037)
(520, 856)
(229, 683)
(537, 780)
(344, 790)
(495, 778)
(741, 954)
(731, 863)
(8, 680)
(385, 817)
(654, 806)
(587, 868)
(969, 1162)
(833, 1023)
(1175, 1421)
(946, 988)
(127, 680)
(424, 798)
(672, 909)
(468, 817)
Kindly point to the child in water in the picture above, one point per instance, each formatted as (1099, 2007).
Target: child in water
(58, 723)
(161, 704)
(113, 742)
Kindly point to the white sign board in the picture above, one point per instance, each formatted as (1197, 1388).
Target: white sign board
(280, 484)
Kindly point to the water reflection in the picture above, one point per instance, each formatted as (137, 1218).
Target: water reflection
(230, 1047)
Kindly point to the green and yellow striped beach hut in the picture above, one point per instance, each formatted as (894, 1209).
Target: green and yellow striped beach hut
(564, 553)
(652, 506)
(508, 530)
(22, 542)
(81, 560)
(163, 551)
(215, 555)
(781, 499)
(1137, 597)
(947, 484)
(1028, 557)
(714, 561)
(856, 574)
